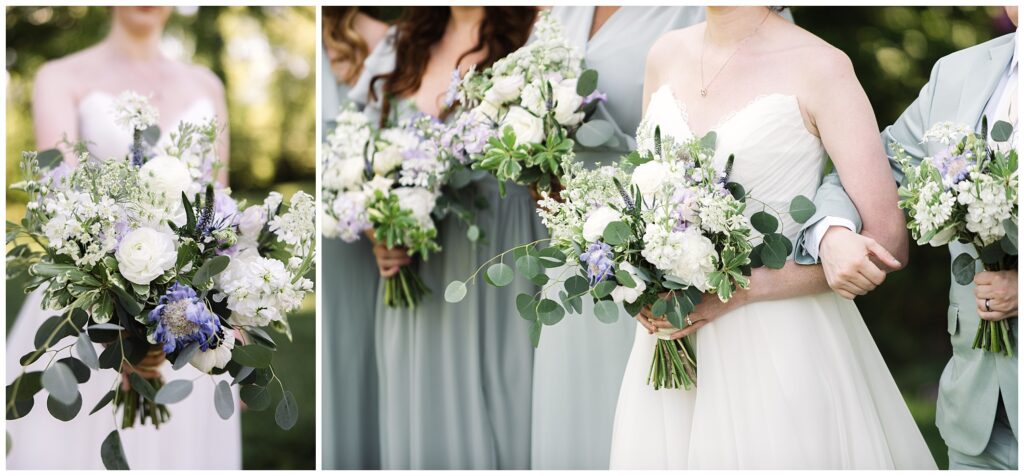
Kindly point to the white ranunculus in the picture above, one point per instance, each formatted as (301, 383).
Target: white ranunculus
(505, 88)
(252, 220)
(386, 160)
(419, 201)
(567, 102)
(166, 177)
(627, 294)
(649, 177)
(696, 259)
(144, 254)
(594, 227)
(207, 360)
(533, 100)
(344, 174)
(529, 129)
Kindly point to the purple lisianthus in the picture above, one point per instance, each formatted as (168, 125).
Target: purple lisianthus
(182, 318)
(953, 168)
(596, 96)
(225, 208)
(598, 259)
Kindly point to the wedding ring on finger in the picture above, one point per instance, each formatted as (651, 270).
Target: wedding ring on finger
(689, 321)
(987, 309)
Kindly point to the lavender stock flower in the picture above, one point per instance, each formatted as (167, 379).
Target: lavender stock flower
(182, 318)
(598, 259)
(596, 96)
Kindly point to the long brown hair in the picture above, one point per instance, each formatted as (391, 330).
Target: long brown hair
(341, 37)
(503, 30)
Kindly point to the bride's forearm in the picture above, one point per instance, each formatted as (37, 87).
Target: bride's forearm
(791, 281)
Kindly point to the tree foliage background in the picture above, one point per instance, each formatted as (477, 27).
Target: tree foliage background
(265, 57)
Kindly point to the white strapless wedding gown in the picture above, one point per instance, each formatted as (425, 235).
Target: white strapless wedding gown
(194, 438)
(787, 384)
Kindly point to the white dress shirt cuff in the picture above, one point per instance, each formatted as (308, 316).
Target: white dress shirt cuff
(813, 239)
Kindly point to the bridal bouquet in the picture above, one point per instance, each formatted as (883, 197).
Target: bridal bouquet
(391, 181)
(660, 230)
(534, 101)
(967, 193)
(138, 254)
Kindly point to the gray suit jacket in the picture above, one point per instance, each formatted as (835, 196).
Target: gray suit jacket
(960, 87)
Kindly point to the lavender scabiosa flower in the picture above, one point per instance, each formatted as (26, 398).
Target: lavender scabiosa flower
(598, 259)
(953, 168)
(181, 318)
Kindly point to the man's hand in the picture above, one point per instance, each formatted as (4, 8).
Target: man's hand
(997, 289)
(854, 265)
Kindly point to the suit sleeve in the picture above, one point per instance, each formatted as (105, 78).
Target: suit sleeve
(831, 199)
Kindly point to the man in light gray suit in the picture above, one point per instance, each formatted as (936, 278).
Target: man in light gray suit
(977, 406)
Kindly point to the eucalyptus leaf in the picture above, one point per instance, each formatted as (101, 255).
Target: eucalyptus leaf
(801, 209)
(527, 307)
(49, 158)
(455, 292)
(576, 285)
(473, 233)
(211, 268)
(223, 401)
(63, 411)
(586, 84)
(173, 392)
(61, 383)
(535, 330)
(112, 453)
(107, 398)
(529, 266)
(142, 386)
(1002, 131)
(78, 369)
(500, 274)
(550, 312)
(603, 289)
(252, 355)
(764, 222)
(151, 134)
(86, 351)
(963, 269)
(287, 413)
(594, 133)
(616, 233)
(257, 398)
(606, 311)
(773, 251)
(1011, 231)
(185, 355)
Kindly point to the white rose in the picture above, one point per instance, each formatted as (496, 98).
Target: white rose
(696, 259)
(649, 177)
(419, 201)
(344, 174)
(144, 254)
(594, 227)
(205, 361)
(533, 100)
(167, 177)
(252, 220)
(567, 102)
(487, 109)
(386, 160)
(505, 89)
(627, 294)
(529, 129)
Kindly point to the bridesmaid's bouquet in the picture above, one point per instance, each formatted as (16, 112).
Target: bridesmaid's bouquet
(967, 193)
(535, 102)
(660, 230)
(142, 255)
(394, 182)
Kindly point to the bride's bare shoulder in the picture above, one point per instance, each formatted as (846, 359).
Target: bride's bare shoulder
(206, 79)
(71, 68)
(813, 56)
(675, 47)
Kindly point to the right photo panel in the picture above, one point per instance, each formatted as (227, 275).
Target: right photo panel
(669, 237)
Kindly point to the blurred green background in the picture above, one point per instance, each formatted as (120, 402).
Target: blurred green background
(265, 57)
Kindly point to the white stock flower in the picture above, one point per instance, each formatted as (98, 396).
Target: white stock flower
(420, 202)
(133, 111)
(593, 228)
(987, 207)
(206, 361)
(529, 129)
(344, 174)
(259, 290)
(144, 254)
(378, 184)
(687, 256)
(297, 226)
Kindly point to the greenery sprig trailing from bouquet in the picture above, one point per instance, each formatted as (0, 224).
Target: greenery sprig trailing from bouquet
(141, 251)
(660, 230)
(535, 102)
(399, 182)
(967, 193)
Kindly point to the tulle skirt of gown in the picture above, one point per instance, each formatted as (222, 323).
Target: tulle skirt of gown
(455, 379)
(351, 439)
(787, 384)
(194, 438)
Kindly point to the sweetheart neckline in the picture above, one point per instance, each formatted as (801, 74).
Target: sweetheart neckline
(724, 120)
(177, 120)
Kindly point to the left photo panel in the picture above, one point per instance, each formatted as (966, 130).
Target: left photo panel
(161, 237)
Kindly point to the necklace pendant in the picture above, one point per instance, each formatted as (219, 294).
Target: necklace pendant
(703, 92)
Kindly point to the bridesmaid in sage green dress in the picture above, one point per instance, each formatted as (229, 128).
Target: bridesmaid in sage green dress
(350, 421)
(455, 379)
(579, 364)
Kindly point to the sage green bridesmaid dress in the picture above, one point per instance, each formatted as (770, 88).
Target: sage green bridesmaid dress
(348, 292)
(579, 364)
(455, 379)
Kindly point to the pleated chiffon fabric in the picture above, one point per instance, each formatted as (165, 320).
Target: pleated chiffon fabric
(787, 384)
(455, 379)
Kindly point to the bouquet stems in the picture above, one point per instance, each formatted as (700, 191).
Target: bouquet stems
(994, 336)
(134, 406)
(404, 289)
(674, 365)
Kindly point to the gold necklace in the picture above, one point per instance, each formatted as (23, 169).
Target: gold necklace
(704, 87)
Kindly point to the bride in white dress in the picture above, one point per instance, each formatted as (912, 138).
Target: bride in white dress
(74, 95)
(788, 376)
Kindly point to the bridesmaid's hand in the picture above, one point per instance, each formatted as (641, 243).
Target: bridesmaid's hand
(709, 309)
(389, 260)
